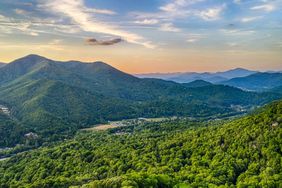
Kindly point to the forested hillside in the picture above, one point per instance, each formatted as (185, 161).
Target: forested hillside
(54, 99)
(11, 132)
(245, 153)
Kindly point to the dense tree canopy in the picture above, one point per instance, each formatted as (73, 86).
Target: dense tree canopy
(245, 153)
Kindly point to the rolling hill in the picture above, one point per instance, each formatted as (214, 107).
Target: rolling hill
(197, 83)
(55, 99)
(245, 152)
(256, 82)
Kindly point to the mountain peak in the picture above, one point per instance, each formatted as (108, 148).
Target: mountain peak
(101, 63)
(34, 57)
(240, 70)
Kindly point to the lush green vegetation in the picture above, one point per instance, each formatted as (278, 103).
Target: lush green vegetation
(245, 153)
(55, 99)
(10, 131)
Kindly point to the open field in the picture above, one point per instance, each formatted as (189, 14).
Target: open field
(100, 127)
(127, 122)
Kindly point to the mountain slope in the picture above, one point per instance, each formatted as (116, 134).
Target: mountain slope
(256, 82)
(2, 64)
(235, 73)
(49, 107)
(197, 83)
(277, 89)
(11, 132)
(244, 153)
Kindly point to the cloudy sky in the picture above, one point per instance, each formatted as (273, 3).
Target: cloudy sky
(141, 36)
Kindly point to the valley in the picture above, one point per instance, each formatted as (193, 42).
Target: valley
(172, 153)
(75, 124)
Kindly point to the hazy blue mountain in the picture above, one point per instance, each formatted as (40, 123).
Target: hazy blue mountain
(234, 73)
(277, 89)
(256, 82)
(207, 76)
(2, 64)
(197, 83)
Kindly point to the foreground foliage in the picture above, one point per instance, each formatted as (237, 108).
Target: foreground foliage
(243, 153)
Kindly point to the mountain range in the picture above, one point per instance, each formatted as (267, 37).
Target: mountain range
(207, 76)
(54, 99)
(256, 82)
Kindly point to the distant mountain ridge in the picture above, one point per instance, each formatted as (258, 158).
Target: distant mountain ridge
(207, 76)
(256, 82)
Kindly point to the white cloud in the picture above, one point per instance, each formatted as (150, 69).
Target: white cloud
(211, 14)
(233, 44)
(250, 19)
(21, 12)
(101, 11)
(169, 27)
(147, 22)
(175, 5)
(3, 18)
(236, 32)
(85, 19)
(265, 7)
(192, 38)
(55, 42)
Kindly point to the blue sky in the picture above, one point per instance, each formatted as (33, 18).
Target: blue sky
(158, 35)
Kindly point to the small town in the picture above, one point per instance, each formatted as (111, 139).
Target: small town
(5, 110)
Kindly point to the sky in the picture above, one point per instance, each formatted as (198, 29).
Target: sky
(143, 36)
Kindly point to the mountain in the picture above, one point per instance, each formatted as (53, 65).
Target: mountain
(197, 83)
(189, 77)
(244, 152)
(235, 73)
(54, 99)
(277, 89)
(256, 82)
(2, 64)
(192, 76)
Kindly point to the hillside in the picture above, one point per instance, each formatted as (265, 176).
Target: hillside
(197, 83)
(256, 82)
(11, 132)
(244, 153)
(54, 99)
(277, 89)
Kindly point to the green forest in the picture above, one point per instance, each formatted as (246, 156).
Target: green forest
(244, 152)
(55, 99)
